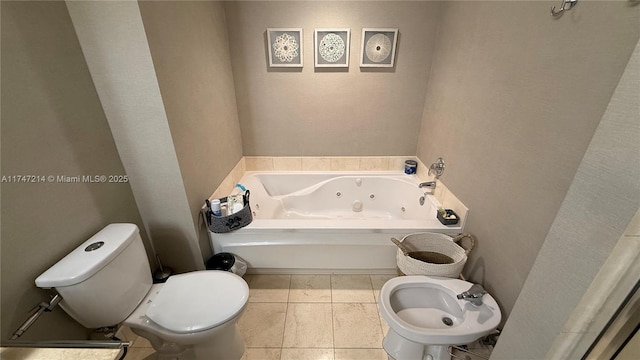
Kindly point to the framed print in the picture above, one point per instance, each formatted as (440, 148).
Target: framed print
(332, 47)
(378, 47)
(285, 47)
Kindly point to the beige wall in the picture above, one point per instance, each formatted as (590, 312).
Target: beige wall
(330, 112)
(115, 46)
(514, 98)
(52, 124)
(190, 50)
(592, 219)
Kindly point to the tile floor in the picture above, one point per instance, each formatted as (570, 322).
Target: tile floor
(300, 317)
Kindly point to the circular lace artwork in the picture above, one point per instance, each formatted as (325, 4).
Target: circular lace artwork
(378, 48)
(331, 48)
(285, 48)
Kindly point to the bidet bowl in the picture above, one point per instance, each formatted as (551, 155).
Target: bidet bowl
(425, 309)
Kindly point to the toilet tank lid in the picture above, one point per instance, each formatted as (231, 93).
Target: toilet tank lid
(89, 257)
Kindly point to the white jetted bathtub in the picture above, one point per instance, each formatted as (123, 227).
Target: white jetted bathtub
(327, 222)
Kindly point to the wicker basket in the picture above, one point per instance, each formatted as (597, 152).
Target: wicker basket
(438, 244)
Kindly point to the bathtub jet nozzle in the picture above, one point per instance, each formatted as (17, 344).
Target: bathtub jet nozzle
(357, 206)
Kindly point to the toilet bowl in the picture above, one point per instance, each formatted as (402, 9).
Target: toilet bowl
(426, 317)
(193, 316)
(106, 281)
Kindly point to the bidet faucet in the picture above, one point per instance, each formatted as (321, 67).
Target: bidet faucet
(428, 184)
(473, 295)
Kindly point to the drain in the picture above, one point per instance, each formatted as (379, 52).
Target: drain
(447, 321)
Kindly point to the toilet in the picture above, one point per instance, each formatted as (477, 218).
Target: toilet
(107, 281)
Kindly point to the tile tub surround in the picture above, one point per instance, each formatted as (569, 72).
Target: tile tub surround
(230, 180)
(442, 193)
(326, 163)
(298, 317)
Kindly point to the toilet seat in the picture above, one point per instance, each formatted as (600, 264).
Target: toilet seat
(198, 301)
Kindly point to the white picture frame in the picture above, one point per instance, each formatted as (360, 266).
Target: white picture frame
(378, 47)
(331, 47)
(285, 46)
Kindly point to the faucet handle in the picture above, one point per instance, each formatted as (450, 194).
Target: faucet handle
(477, 289)
(437, 168)
(473, 295)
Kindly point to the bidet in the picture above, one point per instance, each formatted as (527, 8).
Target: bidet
(425, 316)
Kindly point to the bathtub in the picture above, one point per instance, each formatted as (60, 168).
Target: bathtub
(312, 222)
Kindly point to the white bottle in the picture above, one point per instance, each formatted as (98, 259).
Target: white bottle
(215, 207)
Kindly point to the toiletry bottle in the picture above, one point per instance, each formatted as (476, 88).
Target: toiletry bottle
(410, 167)
(215, 207)
(235, 201)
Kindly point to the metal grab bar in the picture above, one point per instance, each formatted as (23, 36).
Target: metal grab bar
(75, 344)
(71, 344)
(37, 311)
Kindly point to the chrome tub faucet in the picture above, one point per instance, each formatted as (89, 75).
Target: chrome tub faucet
(428, 184)
(473, 295)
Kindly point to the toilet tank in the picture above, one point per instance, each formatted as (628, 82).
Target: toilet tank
(103, 280)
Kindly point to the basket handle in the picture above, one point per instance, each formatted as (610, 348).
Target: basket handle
(472, 240)
(400, 245)
(245, 198)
